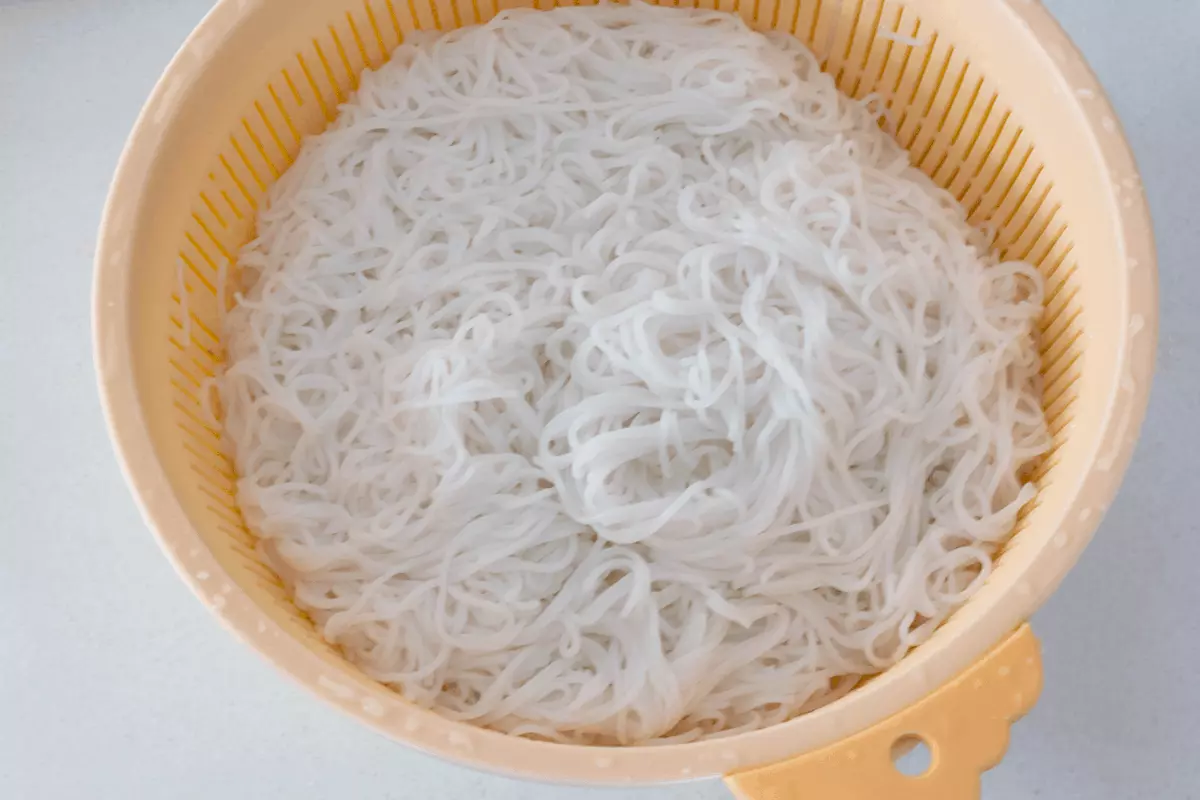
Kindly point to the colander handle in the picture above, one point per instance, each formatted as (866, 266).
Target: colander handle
(964, 723)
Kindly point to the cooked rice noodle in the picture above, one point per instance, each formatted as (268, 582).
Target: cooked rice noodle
(604, 375)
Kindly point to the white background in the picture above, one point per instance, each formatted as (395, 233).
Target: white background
(116, 683)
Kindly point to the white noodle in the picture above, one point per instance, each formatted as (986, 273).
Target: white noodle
(900, 38)
(606, 376)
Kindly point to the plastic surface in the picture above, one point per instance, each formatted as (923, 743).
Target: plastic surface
(989, 97)
(964, 724)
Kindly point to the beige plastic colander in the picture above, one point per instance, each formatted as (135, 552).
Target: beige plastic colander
(990, 99)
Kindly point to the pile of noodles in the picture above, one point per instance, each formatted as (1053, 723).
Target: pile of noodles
(605, 375)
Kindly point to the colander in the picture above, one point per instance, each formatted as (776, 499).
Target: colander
(990, 99)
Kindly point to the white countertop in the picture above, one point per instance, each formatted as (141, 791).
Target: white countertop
(116, 683)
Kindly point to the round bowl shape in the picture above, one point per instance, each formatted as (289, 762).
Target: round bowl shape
(990, 99)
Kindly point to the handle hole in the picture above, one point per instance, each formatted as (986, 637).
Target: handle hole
(911, 755)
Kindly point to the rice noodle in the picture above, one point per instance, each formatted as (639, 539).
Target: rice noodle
(604, 375)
